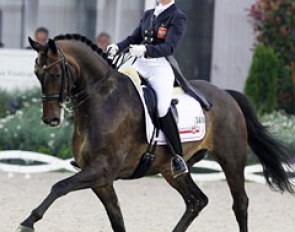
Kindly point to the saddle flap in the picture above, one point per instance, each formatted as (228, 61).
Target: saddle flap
(150, 99)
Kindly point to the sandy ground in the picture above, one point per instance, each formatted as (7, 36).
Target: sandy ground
(148, 205)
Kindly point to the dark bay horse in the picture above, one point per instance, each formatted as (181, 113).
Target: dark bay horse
(109, 133)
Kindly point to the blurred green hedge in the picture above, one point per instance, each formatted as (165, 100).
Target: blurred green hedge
(262, 83)
(274, 23)
(21, 127)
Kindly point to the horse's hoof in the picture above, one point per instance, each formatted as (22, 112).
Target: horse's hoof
(24, 229)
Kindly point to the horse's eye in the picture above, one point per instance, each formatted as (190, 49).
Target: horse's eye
(36, 70)
(56, 76)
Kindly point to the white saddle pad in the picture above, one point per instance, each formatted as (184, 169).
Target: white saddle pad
(191, 119)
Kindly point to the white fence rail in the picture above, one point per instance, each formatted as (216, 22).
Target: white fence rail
(50, 163)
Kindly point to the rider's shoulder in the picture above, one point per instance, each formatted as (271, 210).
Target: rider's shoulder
(149, 12)
(179, 12)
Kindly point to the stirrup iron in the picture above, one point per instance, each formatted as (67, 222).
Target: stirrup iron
(178, 166)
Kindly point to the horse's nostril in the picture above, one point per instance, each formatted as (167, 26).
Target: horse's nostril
(55, 122)
(51, 121)
(46, 120)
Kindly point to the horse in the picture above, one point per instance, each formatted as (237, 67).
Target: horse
(109, 134)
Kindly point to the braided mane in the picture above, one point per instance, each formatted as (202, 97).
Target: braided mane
(87, 41)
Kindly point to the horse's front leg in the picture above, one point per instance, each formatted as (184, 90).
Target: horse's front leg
(84, 179)
(108, 197)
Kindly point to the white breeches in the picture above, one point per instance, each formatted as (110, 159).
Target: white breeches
(158, 72)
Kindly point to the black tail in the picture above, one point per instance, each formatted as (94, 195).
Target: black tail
(271, 153)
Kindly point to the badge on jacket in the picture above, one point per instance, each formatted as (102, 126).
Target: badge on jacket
(162, 32)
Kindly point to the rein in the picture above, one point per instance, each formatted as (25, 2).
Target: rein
(63, 98)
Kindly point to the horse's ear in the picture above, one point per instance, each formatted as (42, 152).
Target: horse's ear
(52, 46)
(35, 45)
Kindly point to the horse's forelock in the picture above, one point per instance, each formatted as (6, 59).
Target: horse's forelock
(43, 55)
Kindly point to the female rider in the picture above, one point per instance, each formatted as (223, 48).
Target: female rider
(155, 38)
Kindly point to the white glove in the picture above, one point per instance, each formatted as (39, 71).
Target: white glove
(112, 50)
(137, 50)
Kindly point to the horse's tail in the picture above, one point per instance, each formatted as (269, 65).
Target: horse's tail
(271, 153)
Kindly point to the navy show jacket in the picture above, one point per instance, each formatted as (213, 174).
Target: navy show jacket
(160, 35)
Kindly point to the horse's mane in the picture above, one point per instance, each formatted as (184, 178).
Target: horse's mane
(86, 41)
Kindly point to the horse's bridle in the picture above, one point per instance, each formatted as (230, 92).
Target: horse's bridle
(61, 97)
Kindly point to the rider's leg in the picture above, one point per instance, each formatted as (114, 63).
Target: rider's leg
(169, 127)
(160, 75)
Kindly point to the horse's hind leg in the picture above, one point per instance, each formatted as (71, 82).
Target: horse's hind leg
(233, 164)
(236, 182)
(108, 197)
(193, 197)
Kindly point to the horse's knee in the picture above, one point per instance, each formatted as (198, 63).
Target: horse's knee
(203, 201)
(195, 205)
(59, 189)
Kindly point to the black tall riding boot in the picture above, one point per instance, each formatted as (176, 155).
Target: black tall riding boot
(169, 127)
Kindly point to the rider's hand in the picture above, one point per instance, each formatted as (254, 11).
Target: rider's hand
(112, 50)
(137, 50)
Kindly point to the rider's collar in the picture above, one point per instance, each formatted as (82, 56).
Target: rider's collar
(160, 8)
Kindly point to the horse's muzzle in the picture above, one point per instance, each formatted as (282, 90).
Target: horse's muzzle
(53, 122)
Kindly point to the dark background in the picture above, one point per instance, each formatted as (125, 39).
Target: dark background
(194, 52)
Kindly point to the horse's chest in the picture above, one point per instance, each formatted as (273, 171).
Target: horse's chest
(81, 147)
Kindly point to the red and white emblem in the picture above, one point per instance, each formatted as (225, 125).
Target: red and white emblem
(162, 32)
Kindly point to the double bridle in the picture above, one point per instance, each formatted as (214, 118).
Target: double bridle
(62, 97)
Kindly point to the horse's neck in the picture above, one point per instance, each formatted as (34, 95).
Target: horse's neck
(113, 95)
(114, 99)
(91, 72)
(88, 66)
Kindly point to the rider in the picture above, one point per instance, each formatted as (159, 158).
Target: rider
(156, 38)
